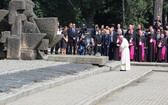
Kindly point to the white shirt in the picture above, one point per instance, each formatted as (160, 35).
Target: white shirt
(59, 32)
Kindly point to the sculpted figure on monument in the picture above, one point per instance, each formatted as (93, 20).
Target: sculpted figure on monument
(28, 35)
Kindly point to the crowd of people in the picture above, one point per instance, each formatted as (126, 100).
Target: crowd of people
(145, 45)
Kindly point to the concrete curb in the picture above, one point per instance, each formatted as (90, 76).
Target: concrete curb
(97, 99)
(149, 64)
(46, 85)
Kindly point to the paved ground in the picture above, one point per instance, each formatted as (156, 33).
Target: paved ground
(24, 78)
(83, 84)
(80, 92)
(19, 79)
(10, 66)
(151, 90)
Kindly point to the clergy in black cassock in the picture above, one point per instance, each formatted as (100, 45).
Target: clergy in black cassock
(166, 38)
(161, 48)
(117, 42)
(151, 40)
(140, 45)
(131, 40)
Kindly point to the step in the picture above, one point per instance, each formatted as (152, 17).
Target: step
(101, 60)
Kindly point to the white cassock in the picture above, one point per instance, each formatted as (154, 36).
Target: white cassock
(125, 55)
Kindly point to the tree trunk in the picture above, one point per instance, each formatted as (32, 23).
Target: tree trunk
(123, 7)
(158, 8)
(165, 15)
(89, 16)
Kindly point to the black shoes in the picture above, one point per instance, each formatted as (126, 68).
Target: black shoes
(122, 70)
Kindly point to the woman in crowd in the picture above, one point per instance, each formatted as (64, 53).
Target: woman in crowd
(64, 41)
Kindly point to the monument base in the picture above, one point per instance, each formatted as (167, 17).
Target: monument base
(28, 54)
(102, 60)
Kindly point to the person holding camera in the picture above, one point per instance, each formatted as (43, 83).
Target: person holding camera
(91, 47)
(82, 46)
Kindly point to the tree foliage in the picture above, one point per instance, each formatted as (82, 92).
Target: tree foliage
(88, 9)
(111, 13)
(4, 4)
(138, 11)
(104, 12)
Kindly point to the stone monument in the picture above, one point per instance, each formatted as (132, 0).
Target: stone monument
(23, 35)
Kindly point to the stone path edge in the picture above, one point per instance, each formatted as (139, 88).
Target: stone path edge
(149, 64)
(66, 79)
(97, 99)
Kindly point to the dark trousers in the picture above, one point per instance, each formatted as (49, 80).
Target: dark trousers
(111, 48)
(99, 49)
(2, 52)
(72, 43)
(106, 50)
(57, 46)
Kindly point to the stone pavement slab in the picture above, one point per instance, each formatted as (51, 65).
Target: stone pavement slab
(158, 64)
(19, 79)
(15, 66)
(28, 82)
(10, 66)
(151, 90)
(98, 60)
(85, 91)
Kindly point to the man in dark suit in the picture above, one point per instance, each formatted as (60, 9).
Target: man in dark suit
(69, 32)
(94, 31)
(119, 27)
(72, 38)
(113, 37)
(98, 42)
(106, 42)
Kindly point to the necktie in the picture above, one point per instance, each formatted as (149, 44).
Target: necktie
(112, 37)
(73, 29)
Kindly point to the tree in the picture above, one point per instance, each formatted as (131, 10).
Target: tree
(104, 12)
(123, 8)
(165, 7)
(88, 9)
(38, 11)
(100, 11)
(137, 12)
(4, 4)
(158, 8)
(61, 9)
(110, 14)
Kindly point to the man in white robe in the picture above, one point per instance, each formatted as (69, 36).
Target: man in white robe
(125, 54)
